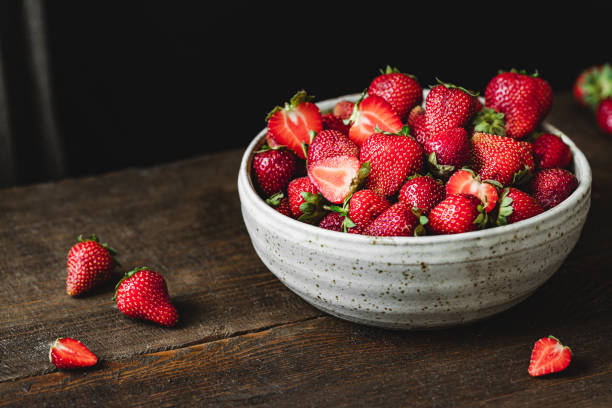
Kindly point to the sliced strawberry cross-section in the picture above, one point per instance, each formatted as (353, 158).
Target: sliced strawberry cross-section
(466, 182)
(335, 177)
(66, 353)
(371, 115)
(549, 356)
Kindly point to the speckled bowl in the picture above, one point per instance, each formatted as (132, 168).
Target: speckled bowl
(414, 282)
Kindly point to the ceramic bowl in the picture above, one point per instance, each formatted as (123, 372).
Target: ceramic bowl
(414, 282)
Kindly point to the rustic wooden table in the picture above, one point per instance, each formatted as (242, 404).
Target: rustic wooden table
(244, 339)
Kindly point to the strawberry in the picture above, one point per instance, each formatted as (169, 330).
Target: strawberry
(447, 150)
(89, 264)
(551, 186)
(416, 122)
(330, 121)
(305, 201)
(593, 85)
(66, 354)
(337, 177)
(143, 294)
(448, 106)
(501, 159)
(604, 115)
(402, 91)
(372, 113)
(280, 203)
(399, 220)
(291, 124)
(392, 158)
(549, 356)
(457, 213)
(516, 205)
(523, 99)
(365, 206)
(330, 143)
(273, 168)
(422, 192)
(332, 221)
(549, 151)
(343, 109)
(466, 182)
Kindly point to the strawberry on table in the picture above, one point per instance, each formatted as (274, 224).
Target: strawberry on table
(291, 124)
(67, 354)
(457, 213)
(280, 203)
(398, 220)
(516, 205)
(447, 151)
(143, 294)
(422, 192)
(549, 356)
(90, 263)
(274, 168)
(604, 115)
(464, 181)
(552, 186)
(372, 114)
(448, 106)
(402, 91)
(549, 152)
(305, 201)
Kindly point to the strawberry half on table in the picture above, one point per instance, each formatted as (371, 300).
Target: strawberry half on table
(90, 263)
(549, 356)
(67, 354)
(292, 124)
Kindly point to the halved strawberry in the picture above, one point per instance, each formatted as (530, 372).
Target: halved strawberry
(343, 109)
(466, 182)
(337, 177)
(549, 356)
(371, 113)
(66, 353)
(291, 124)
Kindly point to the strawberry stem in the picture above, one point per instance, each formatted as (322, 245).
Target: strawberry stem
(453, 86)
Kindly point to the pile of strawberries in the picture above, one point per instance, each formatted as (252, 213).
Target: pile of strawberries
(391, 165)
(593, 89)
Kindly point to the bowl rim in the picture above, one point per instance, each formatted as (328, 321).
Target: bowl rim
(581, 166)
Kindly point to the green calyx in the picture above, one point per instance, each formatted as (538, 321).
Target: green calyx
(420, 229)
(294, 102)
(355, 113)
(312, 208)
(453, 86)
(505, 208)
(490, 121)
(522, 176)
(482, 219)
(392, 70)
(596, 85)
(343, 210)
(94, 238)
(440, 170)
(127, 276)
(404, 131)
(519, 71)
(275, 199)
(266, 148)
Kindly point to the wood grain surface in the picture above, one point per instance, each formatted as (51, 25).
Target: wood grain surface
(243, 338)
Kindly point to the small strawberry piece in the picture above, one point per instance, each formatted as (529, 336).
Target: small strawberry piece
(418, 127)
(604, 115)
(330, 121)
(343, 109)
(143, 294)
(593, 85)
(392, 158)
(448, 106)
(447, 150)
(549, 356)
(89, 264)
(402, 91)
(303, 195)
(280, 203)
(552, 186)
(67, 354)
(466, 182)
(332, 221)
(274, 168)
(399, 220)
(372, 114)
(422, 192)
(516, 205)
(364, 206)
(335, 177)
(457, 213)
(291, 124)
(501, 159)
(550, 152)
(331, 143)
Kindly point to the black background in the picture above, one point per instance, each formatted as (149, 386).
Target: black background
(141, 83)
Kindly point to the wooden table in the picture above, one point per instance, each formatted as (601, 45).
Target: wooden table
(244, 339)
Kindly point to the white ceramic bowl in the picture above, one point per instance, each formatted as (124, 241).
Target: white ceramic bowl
(414, 282)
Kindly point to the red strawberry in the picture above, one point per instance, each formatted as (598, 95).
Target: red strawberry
(280, 203)
(500, 158)
(422, 192)
(551, 186)
(343, 109)
(418, 127)
(330, 121)
(516, 205)
(448, 150)
(550, 152)
(332, 221)
(365, 206)
(274, 168)
(392, 159)
(549, 356)
(457, 213)
(66, 354)
(142, 294)
(305, 201)
(89, 264)
(448, 106)
(330, 143)
(604, 115)
(402, 91)
(466, 182)
(291, 125)
(399, 220)
(371, 113)
(593, 85)
(336, 177)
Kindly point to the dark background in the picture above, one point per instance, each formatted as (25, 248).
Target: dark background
(141, 83)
